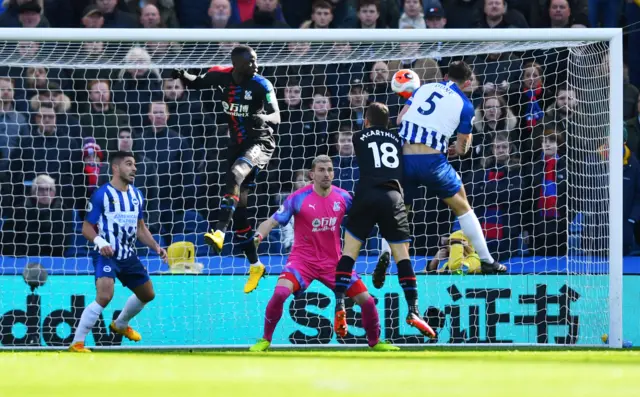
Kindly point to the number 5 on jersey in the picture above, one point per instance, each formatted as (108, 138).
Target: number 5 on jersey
(432, 104)
(386, 155)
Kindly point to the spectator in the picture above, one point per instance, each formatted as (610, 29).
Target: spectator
(135, 86)
(12, 123)
(344, 15)
(496, 16)
(93, 158)
(389, 13)
(462, 14)
(345, 166)
(34, 80)
(165, 11)
(40, 226)
(220, 13)
(150, 17)
(264, 17)
(426, 68)
(548, 196)
(633, 129)
(496, 72)
(320, 126)
(11, 17)
(380, 80)
(100, 118)
(412, 15)
(436, 18)
(193, 13)
(358, 100)
(186, 115)
(61, 103)
(536, 11)
(115, 18)
(50, 150)
(604, 13)
(495, 193)
(561, 16)
(30, 15)
(369, 15)
(529, 103)
(630, 94)
(631, 197)
(92, 17)
(321, 16)
(171, 155)
(560, 113)
(632, 16)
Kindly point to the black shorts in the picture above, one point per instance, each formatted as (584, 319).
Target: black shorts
(255, 152)
(381, 206)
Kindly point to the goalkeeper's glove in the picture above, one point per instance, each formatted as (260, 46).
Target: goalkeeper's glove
(177, 74)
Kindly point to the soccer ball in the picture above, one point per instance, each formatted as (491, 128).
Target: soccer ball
(404, 82)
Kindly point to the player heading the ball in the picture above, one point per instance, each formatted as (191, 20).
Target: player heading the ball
(318, 210)
(429, 118)
(114, 219)
(378, 200)
(249, 101)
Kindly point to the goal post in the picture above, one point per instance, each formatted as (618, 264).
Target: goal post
(570, 296)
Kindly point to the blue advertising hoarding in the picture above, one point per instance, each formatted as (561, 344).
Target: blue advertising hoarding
(213, 310)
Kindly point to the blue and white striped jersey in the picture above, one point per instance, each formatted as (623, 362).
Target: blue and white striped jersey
(436, 112)
(116, 215)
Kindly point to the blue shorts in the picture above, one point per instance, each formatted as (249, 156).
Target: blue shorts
(131, 272)
(432, 171)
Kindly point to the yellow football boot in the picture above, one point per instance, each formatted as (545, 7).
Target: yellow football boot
(256, 272)
(78, 347)
(128, 332)
(215, 239)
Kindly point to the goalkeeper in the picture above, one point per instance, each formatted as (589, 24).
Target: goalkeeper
(458, 254)
(250, 103)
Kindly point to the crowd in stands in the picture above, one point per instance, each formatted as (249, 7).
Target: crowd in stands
(531, 174)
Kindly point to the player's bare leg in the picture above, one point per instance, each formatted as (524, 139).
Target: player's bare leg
(472, 229)
(91, 313)
(231, 197)
(284, 288)
(142, 295)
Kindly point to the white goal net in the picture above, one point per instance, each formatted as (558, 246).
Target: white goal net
(537, 176)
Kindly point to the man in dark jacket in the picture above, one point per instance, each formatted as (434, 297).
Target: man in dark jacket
(264, 17)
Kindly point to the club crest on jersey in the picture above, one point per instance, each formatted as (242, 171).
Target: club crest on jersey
(336, 206)
(280, 210)
(247, 95)
(134, 201)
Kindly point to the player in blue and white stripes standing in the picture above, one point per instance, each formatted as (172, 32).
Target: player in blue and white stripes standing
(114, 220)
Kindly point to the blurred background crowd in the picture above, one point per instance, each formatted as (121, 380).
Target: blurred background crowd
(536, 173)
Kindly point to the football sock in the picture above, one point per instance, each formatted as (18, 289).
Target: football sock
(370, 321)
(407, 279)
(243, 233)
(472, 229)
(228, 206)
(131, 308)
(274, 311)
(343, 279)
(88, 319)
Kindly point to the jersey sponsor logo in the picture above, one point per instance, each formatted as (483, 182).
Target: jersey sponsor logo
(324, 224)
(235, 109)
(107, 269)
(336, 206)
(125, 219)
(248, 95)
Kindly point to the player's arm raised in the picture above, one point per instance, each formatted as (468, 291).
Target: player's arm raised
(197, 82)
(145, 236)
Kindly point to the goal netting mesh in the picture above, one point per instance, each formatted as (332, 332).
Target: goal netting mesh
(537, 177)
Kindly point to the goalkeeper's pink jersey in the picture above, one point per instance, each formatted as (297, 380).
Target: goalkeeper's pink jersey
(317, 220)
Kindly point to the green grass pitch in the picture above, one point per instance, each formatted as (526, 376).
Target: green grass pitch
(435, 372)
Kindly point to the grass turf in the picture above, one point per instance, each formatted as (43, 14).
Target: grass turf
(322, 373)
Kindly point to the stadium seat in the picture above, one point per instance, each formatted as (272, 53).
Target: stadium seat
(196, 238)
(191, 222)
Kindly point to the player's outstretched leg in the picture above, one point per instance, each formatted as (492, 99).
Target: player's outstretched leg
(272, 316)
(142, 295)
(471, 228)
(244, 234)
(230, 201)
(91, 313)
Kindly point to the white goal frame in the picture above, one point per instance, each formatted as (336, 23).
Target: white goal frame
(612, 36)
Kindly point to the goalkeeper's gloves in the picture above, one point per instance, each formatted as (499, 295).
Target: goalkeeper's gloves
(177, 74)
